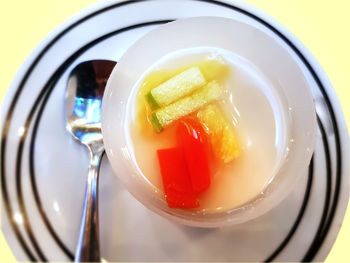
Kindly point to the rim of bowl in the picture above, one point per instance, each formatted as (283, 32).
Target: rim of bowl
(249, 209)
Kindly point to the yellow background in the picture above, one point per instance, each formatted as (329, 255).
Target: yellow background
(322, 25)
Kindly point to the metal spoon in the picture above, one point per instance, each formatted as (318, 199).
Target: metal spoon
(85, 89)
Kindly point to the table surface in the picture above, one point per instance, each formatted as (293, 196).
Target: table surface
(322, 26)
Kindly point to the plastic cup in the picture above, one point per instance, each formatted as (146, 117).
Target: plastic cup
(247, 39)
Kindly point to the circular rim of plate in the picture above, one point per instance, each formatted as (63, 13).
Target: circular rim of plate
(316, 70)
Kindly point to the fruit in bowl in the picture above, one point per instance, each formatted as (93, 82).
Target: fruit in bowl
(188, 118)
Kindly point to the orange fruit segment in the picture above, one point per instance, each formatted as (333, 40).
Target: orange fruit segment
(223, 138)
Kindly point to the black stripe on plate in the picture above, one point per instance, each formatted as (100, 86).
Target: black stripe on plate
(327, 197)
(214, 2)
(318, 243)
(69, 254)
(49, 87)
(34, 186)
(299, 217)
(10, 214)
(8, 119)
(271, 257)
(321, 228)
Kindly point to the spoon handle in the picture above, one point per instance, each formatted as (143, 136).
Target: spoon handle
(88, 249)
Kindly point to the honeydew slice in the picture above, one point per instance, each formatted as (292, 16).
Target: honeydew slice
(175, 88)
(201, 97)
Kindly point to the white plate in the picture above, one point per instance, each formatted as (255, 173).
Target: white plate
(44, 169)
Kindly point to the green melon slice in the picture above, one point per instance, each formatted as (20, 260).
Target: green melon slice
(201, 97)
(175, 88)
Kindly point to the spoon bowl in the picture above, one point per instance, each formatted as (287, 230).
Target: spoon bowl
(85, 88)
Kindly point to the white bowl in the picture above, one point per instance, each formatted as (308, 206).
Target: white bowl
(256, 45)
